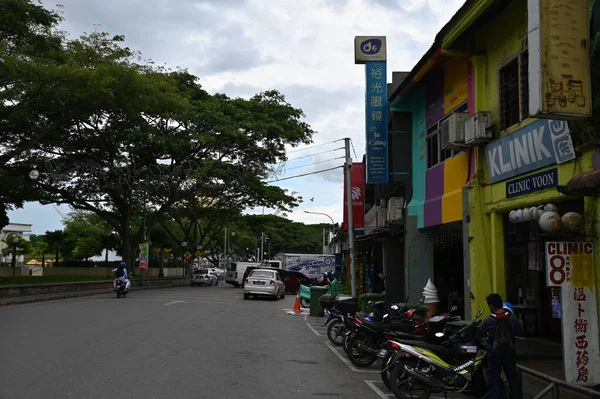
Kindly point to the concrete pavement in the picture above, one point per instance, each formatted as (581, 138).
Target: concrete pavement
(184, 342)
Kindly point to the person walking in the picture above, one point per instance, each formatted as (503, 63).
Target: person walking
(500, 329)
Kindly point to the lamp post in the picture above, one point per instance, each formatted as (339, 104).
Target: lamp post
(183, 245)
(332, 226)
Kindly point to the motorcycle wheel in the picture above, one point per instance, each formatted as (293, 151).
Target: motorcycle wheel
(385, 375)
(305, 303)
(335, 331)
(360, 357)
(118, 293)
(407, 388)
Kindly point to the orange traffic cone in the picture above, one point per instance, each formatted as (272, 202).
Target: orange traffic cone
(297, 308)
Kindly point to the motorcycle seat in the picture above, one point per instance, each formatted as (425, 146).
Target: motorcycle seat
(437, 348)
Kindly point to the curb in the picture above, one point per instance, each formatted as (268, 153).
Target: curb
(75, 294)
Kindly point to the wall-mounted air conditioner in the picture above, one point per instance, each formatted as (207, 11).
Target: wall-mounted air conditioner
(478, 128)
(394, 209)
(452, 131)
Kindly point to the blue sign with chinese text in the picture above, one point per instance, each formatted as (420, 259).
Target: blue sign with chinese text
(532, 183)
(542, 143)
(376, 123)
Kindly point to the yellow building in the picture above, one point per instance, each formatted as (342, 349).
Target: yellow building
(516, 153)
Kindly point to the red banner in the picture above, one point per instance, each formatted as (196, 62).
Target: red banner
(358, 196)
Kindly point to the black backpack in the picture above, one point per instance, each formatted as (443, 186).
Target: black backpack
(503, 345)
(120, 272)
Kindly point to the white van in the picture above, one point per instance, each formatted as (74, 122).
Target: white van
(236, 270)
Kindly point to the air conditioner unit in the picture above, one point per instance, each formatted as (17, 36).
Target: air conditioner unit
(394, 209)
(452, 135)
(382, 216)
(478, 128)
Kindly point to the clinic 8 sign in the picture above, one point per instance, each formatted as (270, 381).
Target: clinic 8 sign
(542, 143)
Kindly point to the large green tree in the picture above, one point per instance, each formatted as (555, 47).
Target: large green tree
(86, 235)
(130, 142)
(15, 247)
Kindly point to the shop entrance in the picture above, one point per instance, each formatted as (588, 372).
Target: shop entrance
(536, 305)
(448, 266)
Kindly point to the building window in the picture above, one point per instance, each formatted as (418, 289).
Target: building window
(514, 91)
(435, 154)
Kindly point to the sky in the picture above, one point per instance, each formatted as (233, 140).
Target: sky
(304, 49)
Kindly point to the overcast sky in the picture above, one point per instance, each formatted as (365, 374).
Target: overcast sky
(242, 47)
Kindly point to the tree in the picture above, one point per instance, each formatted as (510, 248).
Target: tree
(55, 240)
(28, 46)
(40, 248)
(15, 246)
(85, 235)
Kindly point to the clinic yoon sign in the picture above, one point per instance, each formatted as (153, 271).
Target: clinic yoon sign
(539, 144)
(532, 183)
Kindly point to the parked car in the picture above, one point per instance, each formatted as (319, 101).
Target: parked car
(291, 280)
(264, 282)
(303, 278)
(203, 277)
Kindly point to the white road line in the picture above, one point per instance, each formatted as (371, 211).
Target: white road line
(346, 361)
(305, 317)
(174, 302)
(378, 391)
(313, 330)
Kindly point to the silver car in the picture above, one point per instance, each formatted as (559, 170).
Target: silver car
(203, 277)
(262, 282)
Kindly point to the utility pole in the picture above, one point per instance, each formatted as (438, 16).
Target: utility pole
(262, 246)
(348, 173)
(225, 248)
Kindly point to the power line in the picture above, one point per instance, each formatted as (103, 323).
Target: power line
(312, 155)
(313, 163)
(313, 146)
(305, 174)
(353, 150)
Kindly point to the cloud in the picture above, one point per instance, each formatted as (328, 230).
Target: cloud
(305, 49)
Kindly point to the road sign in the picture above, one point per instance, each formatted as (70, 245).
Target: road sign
(198, 253)
(187, 255)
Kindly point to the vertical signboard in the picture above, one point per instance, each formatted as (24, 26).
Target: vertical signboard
(144, 255)
(559, 59)
(570, 266)
(358, 196)
(371, 50)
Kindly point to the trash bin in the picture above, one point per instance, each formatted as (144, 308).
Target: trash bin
(315, 293)
(365, 298)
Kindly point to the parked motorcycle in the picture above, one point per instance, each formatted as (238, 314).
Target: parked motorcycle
(121, 289)
(420, 369)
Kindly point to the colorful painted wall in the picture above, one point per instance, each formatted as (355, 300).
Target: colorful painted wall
(443, 190)
(415, 103)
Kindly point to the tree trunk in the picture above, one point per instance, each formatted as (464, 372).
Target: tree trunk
(57, 253)
(43, 259)
(106, 256)
(14, 261)
(161, 270)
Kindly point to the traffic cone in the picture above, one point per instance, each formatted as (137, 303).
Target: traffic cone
(297, 308)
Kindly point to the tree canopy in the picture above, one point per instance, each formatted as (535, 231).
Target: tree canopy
(135, 144)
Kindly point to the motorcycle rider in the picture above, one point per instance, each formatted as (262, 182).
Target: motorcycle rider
(121, 274)
(500, 329)
(333, 284)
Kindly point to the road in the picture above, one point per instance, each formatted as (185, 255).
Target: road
(184, 342)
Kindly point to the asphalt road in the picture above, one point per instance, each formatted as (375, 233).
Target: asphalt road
(184, 342)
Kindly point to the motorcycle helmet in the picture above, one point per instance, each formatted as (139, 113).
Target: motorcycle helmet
(332, 275)
(508, 306)
(121, 264)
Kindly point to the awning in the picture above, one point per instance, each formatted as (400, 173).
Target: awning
(368, 237)
(584, 185)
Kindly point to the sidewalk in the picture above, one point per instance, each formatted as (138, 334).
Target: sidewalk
(73, 294)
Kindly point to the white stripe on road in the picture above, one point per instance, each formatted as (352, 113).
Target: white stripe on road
(378, 391)
(173, 303)
(346, 361)
(313, 330)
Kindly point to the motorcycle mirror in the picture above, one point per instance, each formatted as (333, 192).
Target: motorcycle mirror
(394, 307)
(479, 313)
(439, 334)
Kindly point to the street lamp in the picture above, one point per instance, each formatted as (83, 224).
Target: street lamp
(332, 225)
(183, 245)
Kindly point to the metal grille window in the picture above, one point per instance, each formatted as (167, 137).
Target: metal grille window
(435, 154)
(514, 91)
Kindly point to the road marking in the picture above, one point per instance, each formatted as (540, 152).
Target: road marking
(378, 391)
(346, 361)
(173, 303)
(313, 330)
(305, 317)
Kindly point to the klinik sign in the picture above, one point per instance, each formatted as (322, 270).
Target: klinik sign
(570, 266)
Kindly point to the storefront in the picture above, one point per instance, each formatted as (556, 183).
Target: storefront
(514, 219)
